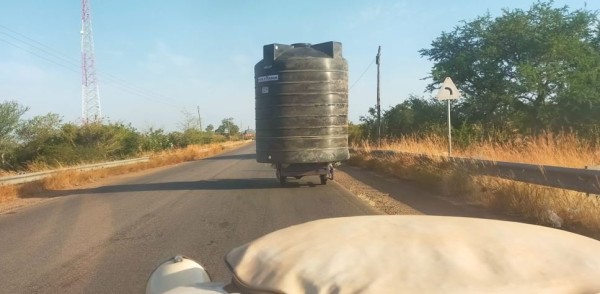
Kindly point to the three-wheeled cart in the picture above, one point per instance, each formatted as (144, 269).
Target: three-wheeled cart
(299, 170)
(301, 107)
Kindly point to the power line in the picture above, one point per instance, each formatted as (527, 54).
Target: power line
(62, 59)
(361, 75)
(115, 86)
(40, 56)
(55, 55)
(34, 41)
(74, 62)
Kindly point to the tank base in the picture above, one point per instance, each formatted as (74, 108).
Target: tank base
(299, 170)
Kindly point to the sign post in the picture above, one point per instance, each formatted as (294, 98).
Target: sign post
(448, 91)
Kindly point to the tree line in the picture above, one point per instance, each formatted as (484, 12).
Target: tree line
(46, 141)
(521, 73)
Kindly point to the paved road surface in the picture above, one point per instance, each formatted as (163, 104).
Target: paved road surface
(109, 239)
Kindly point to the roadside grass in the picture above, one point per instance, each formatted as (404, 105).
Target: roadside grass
(72, 179)
(570, 210)
(573, 211)
(562, 149)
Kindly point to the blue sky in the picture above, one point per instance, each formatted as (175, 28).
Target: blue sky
(189, 54)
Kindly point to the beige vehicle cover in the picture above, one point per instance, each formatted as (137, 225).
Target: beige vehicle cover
(417, 254)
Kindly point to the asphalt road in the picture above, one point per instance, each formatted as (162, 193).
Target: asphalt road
(109, 239)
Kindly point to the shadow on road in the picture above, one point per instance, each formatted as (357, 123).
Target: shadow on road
(233, 156)
(215, 184)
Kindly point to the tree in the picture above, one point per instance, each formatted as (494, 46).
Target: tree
(36, 134)
(413, 116)
(369, 124)
(190, 121)
(534, 69)
(210, 128)
(10, 116)
(156, 140)
(416, 115)
(86, 143)
(39, 128)
(228, 127)
(355, 133)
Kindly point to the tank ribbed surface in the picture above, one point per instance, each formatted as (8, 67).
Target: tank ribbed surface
(301, 104)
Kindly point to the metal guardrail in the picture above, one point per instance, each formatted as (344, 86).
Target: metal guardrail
(586, 180)
(31, 177)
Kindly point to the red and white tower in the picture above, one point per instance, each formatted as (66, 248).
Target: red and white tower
(90, 95)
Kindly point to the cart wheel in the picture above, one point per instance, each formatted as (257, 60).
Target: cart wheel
(323, 179)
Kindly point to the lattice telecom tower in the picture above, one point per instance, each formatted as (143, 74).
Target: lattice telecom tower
(90, 96)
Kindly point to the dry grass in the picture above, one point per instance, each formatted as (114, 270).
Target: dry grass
(71, 179)
(554, 207)
(570, 210)
(11, 192)
(5, 173)
(564, 149)
(8, 193)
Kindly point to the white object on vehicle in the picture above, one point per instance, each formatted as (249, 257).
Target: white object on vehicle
(180, 275)
(417, 254)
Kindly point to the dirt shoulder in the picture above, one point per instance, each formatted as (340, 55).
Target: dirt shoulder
(394, 196)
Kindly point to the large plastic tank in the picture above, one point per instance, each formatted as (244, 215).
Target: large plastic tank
(301, 104)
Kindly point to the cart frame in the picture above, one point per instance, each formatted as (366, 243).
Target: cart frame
(298, 170)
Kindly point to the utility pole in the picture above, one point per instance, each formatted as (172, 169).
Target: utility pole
(90, 96)
(377, 59)
(199, 118)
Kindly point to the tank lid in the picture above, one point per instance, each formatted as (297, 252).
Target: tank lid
(300, 45)
(273, 51)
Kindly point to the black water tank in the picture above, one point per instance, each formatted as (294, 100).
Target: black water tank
(301, 104)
